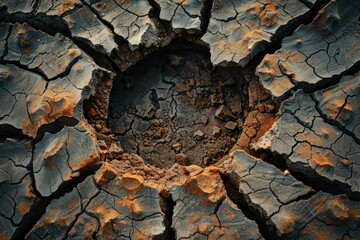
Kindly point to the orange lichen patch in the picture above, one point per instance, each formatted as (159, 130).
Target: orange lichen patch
(38, 89)
(74, 52)
(23, 208)
(131, 205)
(287, 224)
(298, 57)
(53, 149)
(108, 228)
(224, 233)
(31, 195)
(91, 113)
(73, 204)
(249, 40)
(356, 46)
(319, 203)
(21, 30)
(269, 15)
(209, 183)
(47, 108)
(90, 160)
(4, 235)
(311, 138)
(316, 231)
(105, 174)
(303, 150)
(327, 94)
(296, 184)
(280, 86)
(88, 229)
(323, 160)
(5, 74)
(348, 108)
(67, 5)
(355, 214)
(339, 209)
(132, 182)
(138, 235)
(136, 208)
(184, 3)
(63, 221)
(194, 218)
(334, 106)
(345, 162)
(27, 51)
(101, 7)
(229, 214)
(52, 216)
(269, 65)
(206, 227)
(327, 133)
(253, 8)
(106, 213)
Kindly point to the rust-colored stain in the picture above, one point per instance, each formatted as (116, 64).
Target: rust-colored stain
(106, 213)
(23, 208)
(132, 182)
(105, 174)
(323, 160)
(287, 223)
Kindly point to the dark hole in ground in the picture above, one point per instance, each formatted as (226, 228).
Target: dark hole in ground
(172, 107)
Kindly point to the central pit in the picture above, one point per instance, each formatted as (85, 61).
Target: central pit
(173, 107)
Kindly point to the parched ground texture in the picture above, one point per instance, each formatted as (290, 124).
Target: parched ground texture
(179, 119)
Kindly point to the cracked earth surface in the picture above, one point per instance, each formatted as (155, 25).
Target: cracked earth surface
(167, 119)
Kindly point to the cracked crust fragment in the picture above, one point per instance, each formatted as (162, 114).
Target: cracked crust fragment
(129, 19)
(53, 7)
(323, 216)
(262, 187)
(70, 17)
(183, 14)
(85, 26)
(44, 79)
(239, 30)
(104, 206)
(62, 157)
(316, 144)
(316, 52)
(215, 218)
(291, 207)
(16, 192)
(340, 104)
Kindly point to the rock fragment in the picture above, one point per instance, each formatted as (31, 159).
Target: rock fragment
(182, 15)
(315, 52)
(198, 134)
(315, 143)
(16, 192)
(216, 217)
(231, 125)
(120, 207)
(34, 100)
(62, 157)
(239, 30)
(216, 131)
